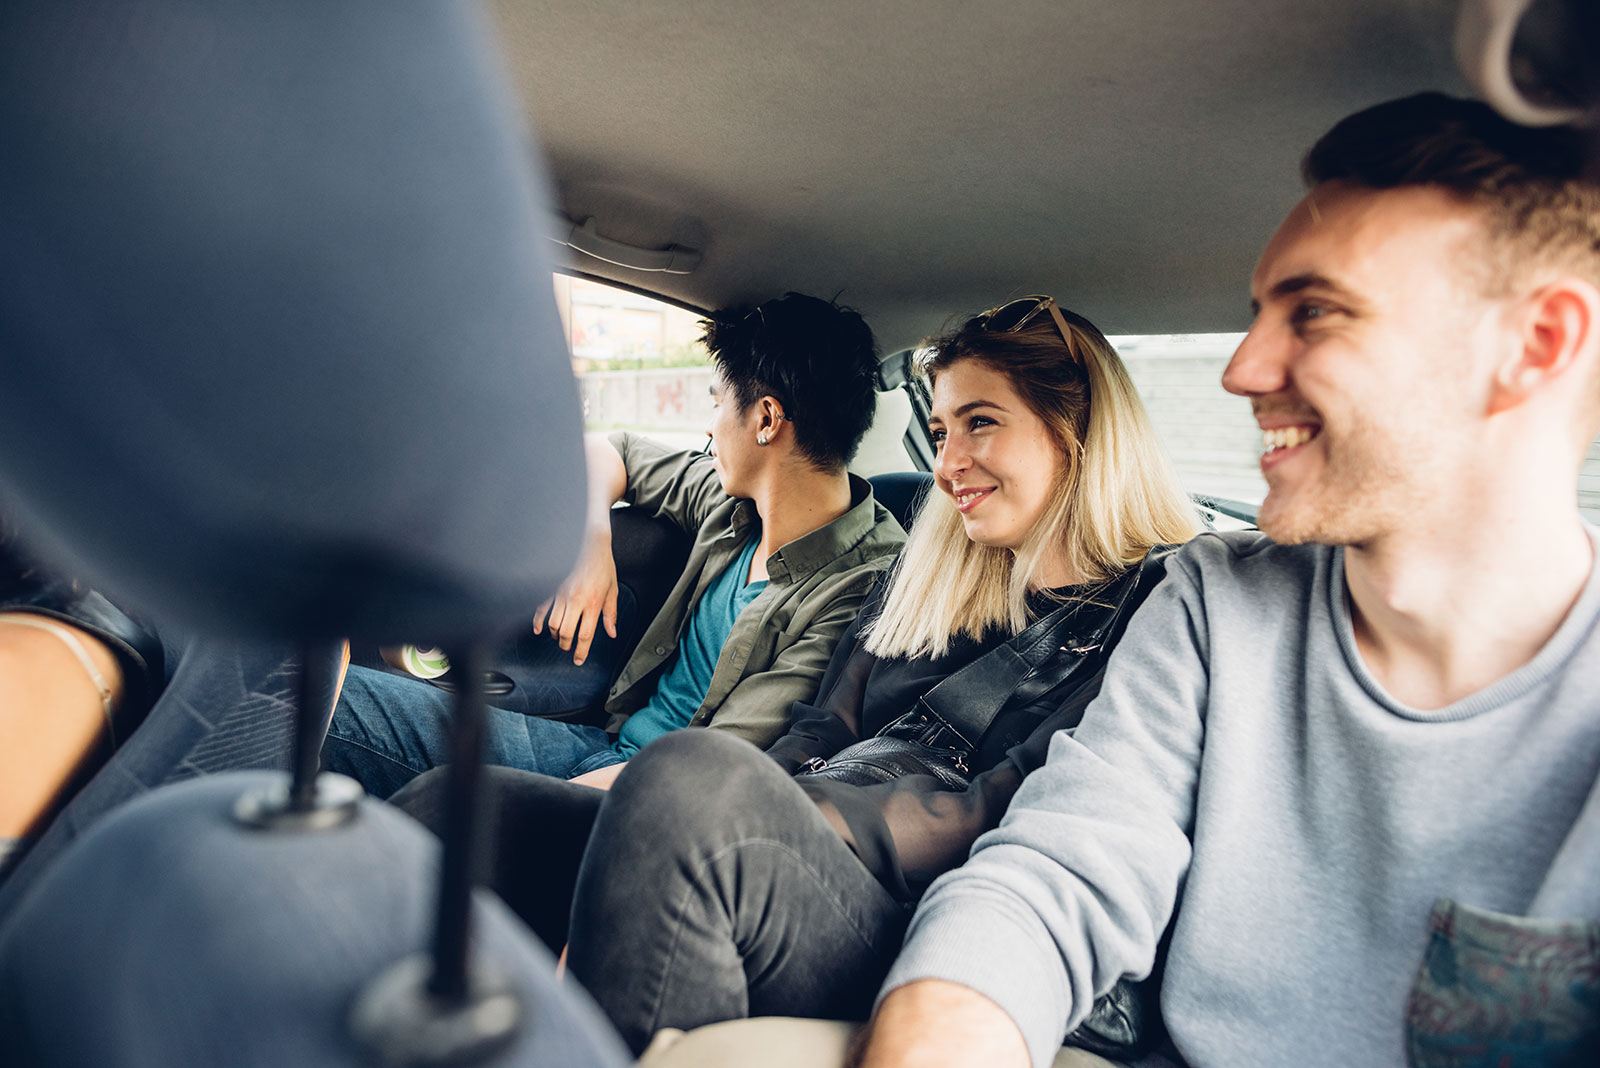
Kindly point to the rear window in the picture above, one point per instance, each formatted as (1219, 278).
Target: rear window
(1209, 433)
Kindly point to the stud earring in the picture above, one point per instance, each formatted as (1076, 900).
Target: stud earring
(761, 439)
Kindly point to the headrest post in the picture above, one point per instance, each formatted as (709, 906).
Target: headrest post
(307, 801)
(448, 1009)
(463, 845)
(320, 672)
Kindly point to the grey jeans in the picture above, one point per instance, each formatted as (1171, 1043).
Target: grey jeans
(713, 889)
(707, 887)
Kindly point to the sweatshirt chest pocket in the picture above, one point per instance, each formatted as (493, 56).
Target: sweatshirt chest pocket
(1496, 991)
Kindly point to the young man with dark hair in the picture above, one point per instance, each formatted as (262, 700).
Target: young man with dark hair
(1353, 763)
(808, 355)
(786, 545)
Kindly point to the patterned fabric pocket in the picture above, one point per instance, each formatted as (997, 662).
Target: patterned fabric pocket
(1498, 991)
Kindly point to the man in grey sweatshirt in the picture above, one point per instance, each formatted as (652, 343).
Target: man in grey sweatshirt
(1353, 766)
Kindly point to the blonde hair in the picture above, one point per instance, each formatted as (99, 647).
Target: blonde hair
(1116, 495)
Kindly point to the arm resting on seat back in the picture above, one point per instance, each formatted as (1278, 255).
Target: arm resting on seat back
(76, 677)
(53, 714)
(668, 483)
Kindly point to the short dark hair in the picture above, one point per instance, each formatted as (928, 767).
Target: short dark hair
(1539, 188)
(816, 357)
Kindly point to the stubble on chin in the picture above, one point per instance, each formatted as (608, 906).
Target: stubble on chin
(1354, 515)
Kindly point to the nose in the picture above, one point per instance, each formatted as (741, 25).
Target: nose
(1259, 366)
(953, 459)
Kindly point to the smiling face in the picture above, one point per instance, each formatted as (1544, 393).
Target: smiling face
(1366, 361)
(996, 459)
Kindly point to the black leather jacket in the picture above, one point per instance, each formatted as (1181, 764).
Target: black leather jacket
(911, 830)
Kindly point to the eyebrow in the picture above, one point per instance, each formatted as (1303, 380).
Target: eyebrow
(967, 407)
(1308, 280)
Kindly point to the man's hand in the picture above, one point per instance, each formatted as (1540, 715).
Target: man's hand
(587, 598)
(932, 1023)
(599, 778)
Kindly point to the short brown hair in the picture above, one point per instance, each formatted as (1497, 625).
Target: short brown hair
(1539, 188)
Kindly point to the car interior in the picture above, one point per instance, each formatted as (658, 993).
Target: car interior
(920, 161)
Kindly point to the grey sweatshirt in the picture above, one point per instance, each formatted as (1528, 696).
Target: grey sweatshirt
(1241, 762)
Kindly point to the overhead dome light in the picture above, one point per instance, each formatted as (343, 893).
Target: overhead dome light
(584, 237)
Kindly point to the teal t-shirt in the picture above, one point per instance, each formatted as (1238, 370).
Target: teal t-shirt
(688, 677)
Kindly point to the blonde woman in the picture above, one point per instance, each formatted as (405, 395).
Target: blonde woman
(715, 884)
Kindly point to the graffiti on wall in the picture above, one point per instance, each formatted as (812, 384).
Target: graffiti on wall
(672, 400)
(664, 398)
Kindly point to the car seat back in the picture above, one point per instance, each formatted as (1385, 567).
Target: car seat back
(284, 362)
(902, 493)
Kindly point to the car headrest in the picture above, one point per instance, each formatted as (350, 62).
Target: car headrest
(170, 935)
(901, 492)
(281, 351)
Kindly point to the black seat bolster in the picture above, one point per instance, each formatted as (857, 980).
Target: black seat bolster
(901, 492)
(650, 554)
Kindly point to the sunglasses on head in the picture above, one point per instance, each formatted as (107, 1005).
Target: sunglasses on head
(1012, 316)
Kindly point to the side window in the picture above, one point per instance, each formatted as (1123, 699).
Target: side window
(639, 361)
(1209, 433)
(641, 367)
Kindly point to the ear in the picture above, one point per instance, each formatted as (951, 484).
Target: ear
(768, 417)
(1558, 329)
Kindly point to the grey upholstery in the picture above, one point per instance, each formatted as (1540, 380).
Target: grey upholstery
(277, 316)
(282, 361)
(227, 707)
(116, 958)
(901, 492)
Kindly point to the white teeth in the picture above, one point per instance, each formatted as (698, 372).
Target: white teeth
(1286, 437)
(965, 498)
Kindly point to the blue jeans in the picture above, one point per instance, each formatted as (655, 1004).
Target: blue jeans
(388, 729)
(549, 684)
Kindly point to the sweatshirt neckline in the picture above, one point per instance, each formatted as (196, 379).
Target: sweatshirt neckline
(1546, 663)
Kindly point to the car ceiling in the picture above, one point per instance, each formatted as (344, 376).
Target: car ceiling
(922, 159)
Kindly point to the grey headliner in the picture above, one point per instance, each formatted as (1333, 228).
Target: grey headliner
(924, 159)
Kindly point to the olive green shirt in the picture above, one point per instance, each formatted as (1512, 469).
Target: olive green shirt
(781, 642)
